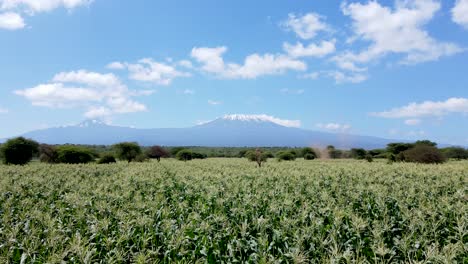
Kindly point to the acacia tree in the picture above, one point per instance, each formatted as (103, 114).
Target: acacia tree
(127, 151)
(258, 156)
(157, 152)
(19, 151)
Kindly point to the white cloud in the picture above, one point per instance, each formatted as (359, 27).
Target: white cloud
(115, 66)
(460, 13)
(341, 77)
(427, 109)
(186, 63)
(334, 127)
(3, 110)
(213, 102)
(255, 65)
(263, 118)
(148, 70)
(306, 26)
(398, 30)
(33, 6)
(312, 50)
(11, 21)
(292, 91)
(100, 94)
(188, 92)
(413, 122)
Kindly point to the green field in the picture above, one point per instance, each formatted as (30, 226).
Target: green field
(227, 210)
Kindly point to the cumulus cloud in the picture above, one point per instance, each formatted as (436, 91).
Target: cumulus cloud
(399, 30)
(306, 26)
(334, 127)
(312, 50)
(255, 65)
(427, 109)
(460, 13)
(148, 70)
(11, 21)
(14, 21)
(100, 94)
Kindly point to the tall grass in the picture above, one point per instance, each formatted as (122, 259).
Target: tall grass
(227, 210)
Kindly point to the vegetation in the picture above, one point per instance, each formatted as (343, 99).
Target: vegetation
(257, 156)
(225, 211)
(286, 155)
(457, 153)
(48, 154)
(308, 154)
(157, 152)
(358, 153)
(184, 155)
(75, 155)
(107, 159)
(127, 151)
(18, 151)
(423, 154)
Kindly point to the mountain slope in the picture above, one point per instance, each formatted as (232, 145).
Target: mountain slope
(229, 131)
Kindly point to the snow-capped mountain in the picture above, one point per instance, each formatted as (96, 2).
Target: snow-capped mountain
(227, 131)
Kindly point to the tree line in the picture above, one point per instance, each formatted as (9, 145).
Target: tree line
(21, 151)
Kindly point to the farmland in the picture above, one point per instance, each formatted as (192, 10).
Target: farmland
(227, 210)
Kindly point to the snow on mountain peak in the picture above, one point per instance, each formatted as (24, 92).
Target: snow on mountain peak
(263, 118)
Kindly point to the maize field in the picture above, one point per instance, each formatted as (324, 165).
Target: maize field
(230, 211)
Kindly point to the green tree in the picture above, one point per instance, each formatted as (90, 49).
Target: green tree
(308, 154)
(184, 155)
(157, 152)
(397, 148)
(48, 154)
(127, 151)
(285, 155)
(257, 156)
(457, 153)
(425, 143)
(75, 155)
(358, 153)
(424, 154)
(106, 159)
(19, 151)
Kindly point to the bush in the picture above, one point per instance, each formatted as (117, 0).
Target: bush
(424, 154)
(127, 151)
(107, 159)
(308, 154)
(74, 155)
(157, 152)
(285, 155)
(48, 154)
(455, 153)
(19, 151)
(369, 158)
(141, 158)
(358, 153)
(196, 155)
(184, 155)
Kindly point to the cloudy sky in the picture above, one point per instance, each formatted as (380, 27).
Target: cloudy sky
(394, 69)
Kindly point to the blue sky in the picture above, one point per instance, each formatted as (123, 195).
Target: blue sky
(393, 69)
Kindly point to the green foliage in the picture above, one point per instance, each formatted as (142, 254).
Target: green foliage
(107, 159)
(127, 151)
(184, 155)
(423, 154)
(196, 155)
(257, 156)
(425, 143)
(369, 158)
(397, 148)
(75, 155)
(48, 154)
(141, 158)
(457, 153)
(285, 155)
(308, 154)
(358, 153)
(18, 151)
(226, 211)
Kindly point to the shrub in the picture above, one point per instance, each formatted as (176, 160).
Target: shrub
(285, 155)
(369, 158)
(455, 153)
(19, 151)
(141, 158)
(424, 154)
(308, 154)
(157, 152)
(107, 159)
(175, 150)
(48, 154)
(257, 156)
(74, 155)
(196, 155)
(184, 155)
(127, 151)
(358, 153)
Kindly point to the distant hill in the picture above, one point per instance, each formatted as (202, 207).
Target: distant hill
(228, 131)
